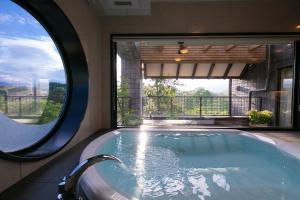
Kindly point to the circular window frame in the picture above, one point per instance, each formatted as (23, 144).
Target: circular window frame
(63, 34)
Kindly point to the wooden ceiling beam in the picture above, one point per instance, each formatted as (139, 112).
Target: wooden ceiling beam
(206, 47)
(253, 47)
(161, 70)
(244, 70)
(227, 70)
(229, 47)
(211, 69)
(194, 70)
(170, 60)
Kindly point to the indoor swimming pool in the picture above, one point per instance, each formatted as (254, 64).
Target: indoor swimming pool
(190, 164)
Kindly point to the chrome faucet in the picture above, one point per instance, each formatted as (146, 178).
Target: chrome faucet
(66, 189)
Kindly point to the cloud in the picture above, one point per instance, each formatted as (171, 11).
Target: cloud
(5, 18)
(21, 20)
(25, 59)
(26, 20)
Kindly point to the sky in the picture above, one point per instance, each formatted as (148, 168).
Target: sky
(26, 50)
(213, 85)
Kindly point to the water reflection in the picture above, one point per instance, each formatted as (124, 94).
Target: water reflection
(190, 168)
(158, 173)
(199, 185)
(220, 180)
(186, 182)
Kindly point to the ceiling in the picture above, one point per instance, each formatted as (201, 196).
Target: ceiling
(195, 70)
(203, 53)
(122, 7)
(201, 62)
(134, 7)
(195, 0)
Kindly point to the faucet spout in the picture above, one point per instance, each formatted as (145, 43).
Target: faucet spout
(66, 188)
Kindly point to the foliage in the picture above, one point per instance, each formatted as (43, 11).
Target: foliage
(2, 103)
(57, 95)
(56, 99)
(2, 100)
(51, 112)
(260, 117)
(42, 109)
(164, 98)
(126, 115)
(161, 87)
(3, 92)
(202, 92)
(122, 89)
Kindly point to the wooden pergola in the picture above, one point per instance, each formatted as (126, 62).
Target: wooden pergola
(201, 62)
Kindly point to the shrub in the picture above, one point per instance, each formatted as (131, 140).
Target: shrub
(51, 112)
(260, 117)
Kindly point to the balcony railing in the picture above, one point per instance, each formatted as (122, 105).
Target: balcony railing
(189, 106)
(22, 106)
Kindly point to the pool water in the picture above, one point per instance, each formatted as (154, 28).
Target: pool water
(198, 165)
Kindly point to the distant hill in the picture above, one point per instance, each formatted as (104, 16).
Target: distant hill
(5, 84)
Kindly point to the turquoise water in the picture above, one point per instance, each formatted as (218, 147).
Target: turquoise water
(199, 165)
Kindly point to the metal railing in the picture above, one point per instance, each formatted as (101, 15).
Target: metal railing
(22, 106)
(190, 106)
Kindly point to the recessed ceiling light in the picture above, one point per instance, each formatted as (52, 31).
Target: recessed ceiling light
(178, 59)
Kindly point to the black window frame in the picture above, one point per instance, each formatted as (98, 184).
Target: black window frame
(295, 36)
(65, 37)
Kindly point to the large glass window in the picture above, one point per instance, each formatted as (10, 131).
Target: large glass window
(33, 83)
(205, 82)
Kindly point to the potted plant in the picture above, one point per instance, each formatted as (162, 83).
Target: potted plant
(259, 118)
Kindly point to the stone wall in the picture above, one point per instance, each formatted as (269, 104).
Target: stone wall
(131, 74)
(255, 79)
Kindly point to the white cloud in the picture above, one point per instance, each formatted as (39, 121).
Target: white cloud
(5, 18)
(24, 59)
(26, 20)
(22, 20)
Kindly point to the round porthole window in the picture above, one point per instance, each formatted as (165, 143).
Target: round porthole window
(33, 81)
(43, 79)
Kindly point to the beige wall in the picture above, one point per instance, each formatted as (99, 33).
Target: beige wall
(202, 17)
(88, 25)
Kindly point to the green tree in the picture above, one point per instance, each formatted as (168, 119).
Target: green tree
(57, 92)
(162, 87)
(57, 95)
(54, 104)
(50, 113)
(126, 115)
(160, 94)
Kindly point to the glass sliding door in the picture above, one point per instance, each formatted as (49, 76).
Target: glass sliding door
(216, 83)
(285, 97)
